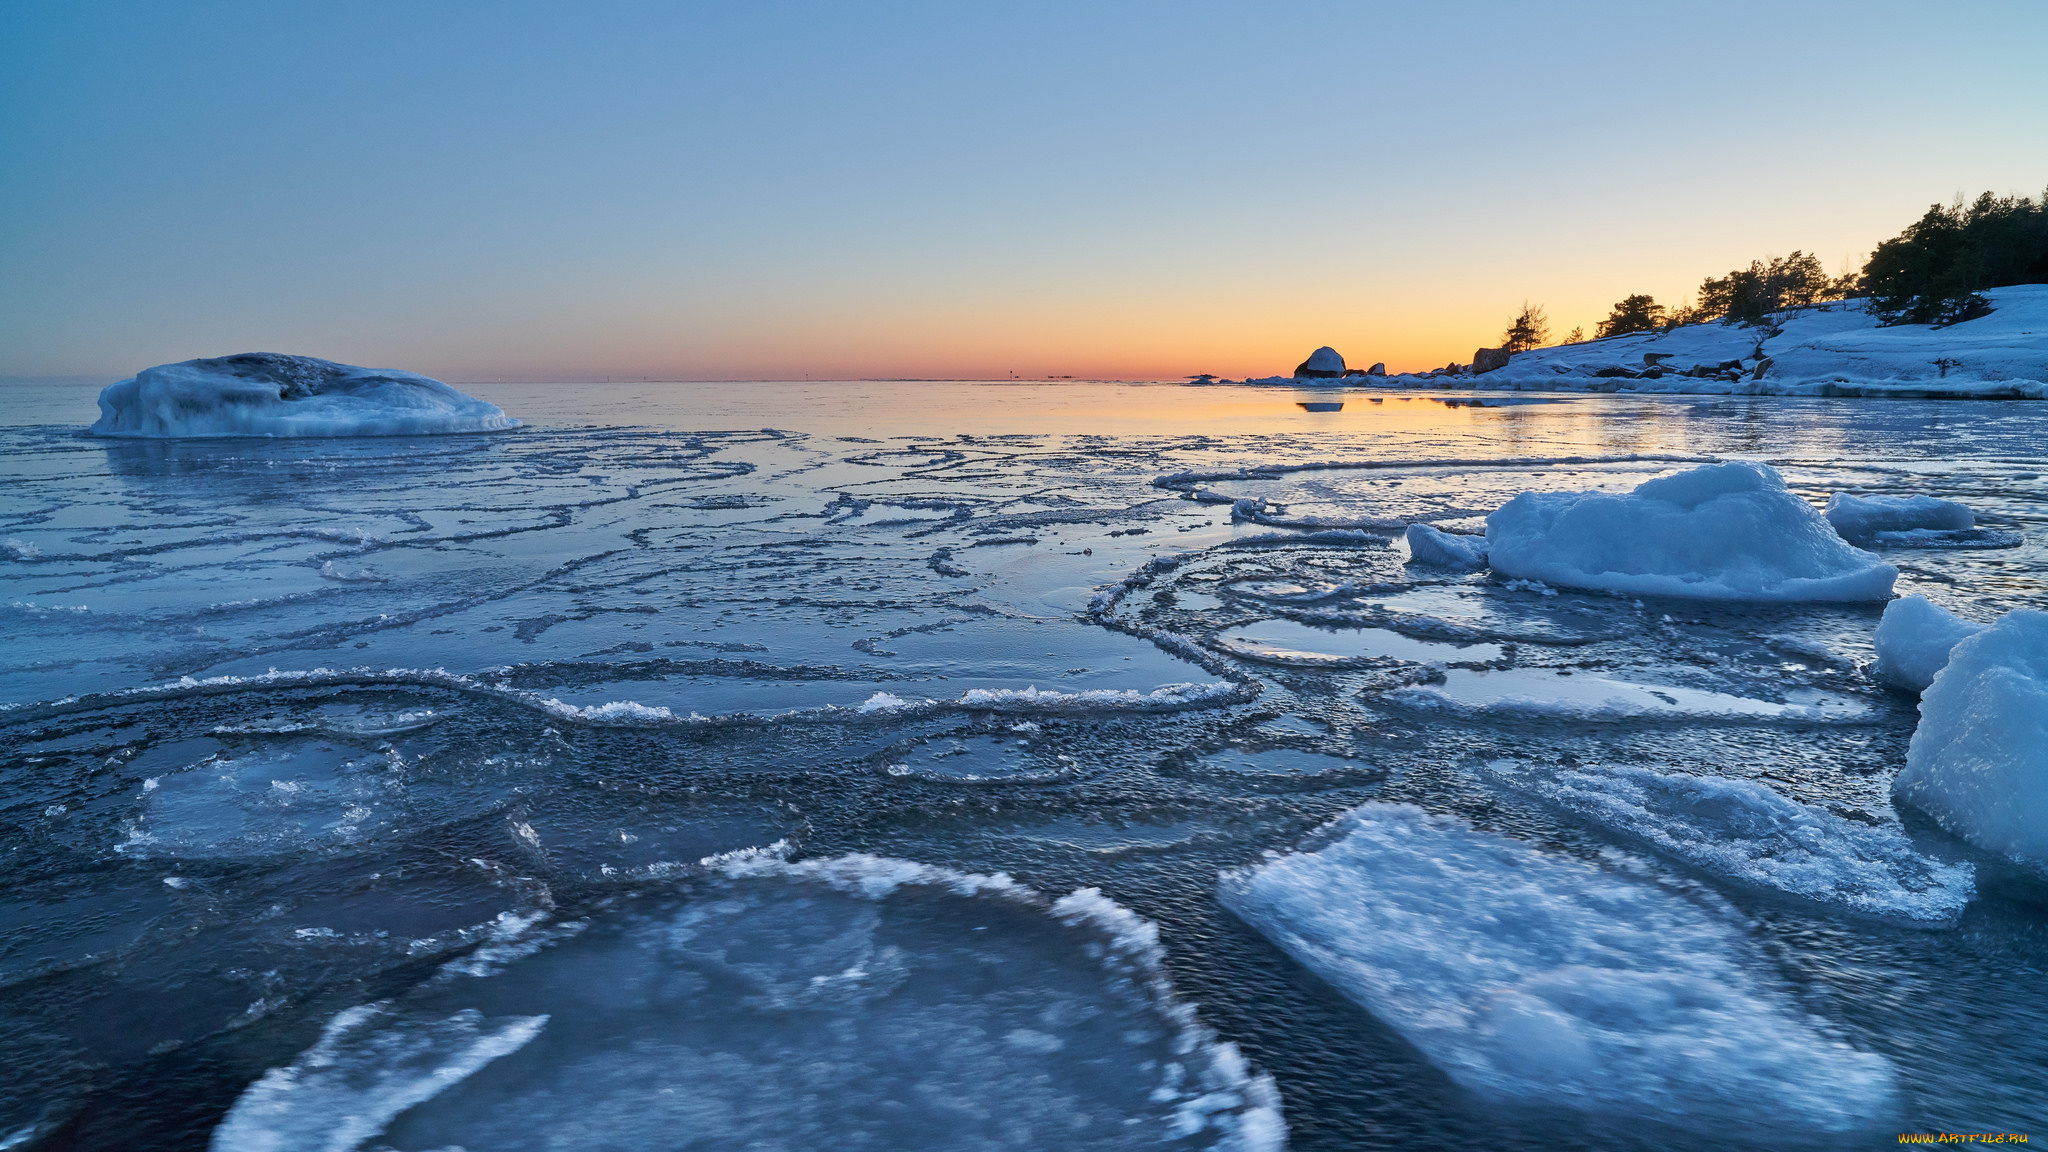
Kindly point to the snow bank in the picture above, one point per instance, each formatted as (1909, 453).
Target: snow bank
(1913, 642)
(1529, 975)
(1978, 763)
(1861, 518)
(1720, 532)
(1747, 832)
(269, 394)
(1430, 545)
(1831, 350)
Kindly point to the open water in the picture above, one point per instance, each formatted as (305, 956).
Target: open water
(715, 766)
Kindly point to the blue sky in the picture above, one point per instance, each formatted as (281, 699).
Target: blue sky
(513, 190)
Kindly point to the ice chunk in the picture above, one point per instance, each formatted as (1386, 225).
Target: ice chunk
(1435, 546)
(1978, 762)
(850, 1002)
(1720, 532)
(1913, 641)
(1863, 517)
(1530, 976)
(1749, 833)
(270, 394)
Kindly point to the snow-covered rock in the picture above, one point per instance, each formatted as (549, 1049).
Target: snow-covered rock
(1322, 364)
(1532, 976)
(1861, 518)
(1829, 350)
(1728, 531)
(1914, 639)
(1430, 545)
(1978, 762)
(271, 394)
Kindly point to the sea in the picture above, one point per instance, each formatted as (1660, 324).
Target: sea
(980, 765)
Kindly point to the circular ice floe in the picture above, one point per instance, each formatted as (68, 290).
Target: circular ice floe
(1530, 976)
(283, 798)
(978, 758)
(855, 1002)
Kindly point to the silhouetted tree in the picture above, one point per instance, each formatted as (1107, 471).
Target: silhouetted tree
(1632, 314)
(1750, 295)
(1578, 336)
(1935, 271)
(1529, 329)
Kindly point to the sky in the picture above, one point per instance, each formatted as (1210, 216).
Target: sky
(768, 190)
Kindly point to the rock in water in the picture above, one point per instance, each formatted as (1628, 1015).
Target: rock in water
(1721, 532)
(1488, 359)
(271, 394)
(1379, 369)
(1978, 763)
(1322, 364)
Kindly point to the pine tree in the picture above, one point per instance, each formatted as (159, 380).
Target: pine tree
(1529, 329)
(1638, 313)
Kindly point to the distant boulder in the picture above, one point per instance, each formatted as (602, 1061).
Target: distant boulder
(1487, 359)
(1322, 364)
(1376, 370)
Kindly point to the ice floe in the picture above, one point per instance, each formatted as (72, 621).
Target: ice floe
(1533, 977)
(855, 1001)
(1565, 694)
(1429, 545)
(1729, 531)
(1978, 762)
(1913, 641)
(270, 394)
(1747, 832)
(1860, 518)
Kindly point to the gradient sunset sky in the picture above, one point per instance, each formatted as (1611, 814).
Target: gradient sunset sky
(531, 191)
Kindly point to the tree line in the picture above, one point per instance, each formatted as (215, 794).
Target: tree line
(1935, 272)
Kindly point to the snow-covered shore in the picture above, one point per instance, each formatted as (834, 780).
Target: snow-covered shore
(1826, 350)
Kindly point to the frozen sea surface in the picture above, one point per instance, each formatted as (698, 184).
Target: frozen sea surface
(398, 793)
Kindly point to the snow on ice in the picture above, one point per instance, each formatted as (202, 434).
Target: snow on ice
(1978, 762)
(270, 394)
(1914, 638)
(1526, 975)
(1728, 531)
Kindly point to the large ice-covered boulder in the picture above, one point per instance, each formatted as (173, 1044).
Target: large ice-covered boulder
(1914, 639)
(1720, 532)
(1978, 762)
(271, 394)
(1322, 364)
(1861, 518)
